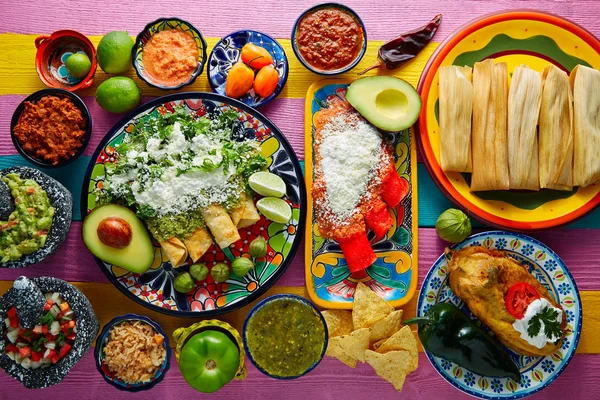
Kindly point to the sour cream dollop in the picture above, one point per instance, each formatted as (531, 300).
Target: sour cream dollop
(521, 325)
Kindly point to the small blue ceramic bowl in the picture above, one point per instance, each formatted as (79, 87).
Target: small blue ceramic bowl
(227, 52)
(105, 372)
(346, 68)
(278, 297)
(164, 24)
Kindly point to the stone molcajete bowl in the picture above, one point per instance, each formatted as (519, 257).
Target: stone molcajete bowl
(27, 296)
(60, 198)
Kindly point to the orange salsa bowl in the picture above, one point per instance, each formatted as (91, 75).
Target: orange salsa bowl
(169, 53)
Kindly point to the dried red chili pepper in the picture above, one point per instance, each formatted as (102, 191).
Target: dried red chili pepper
(406, 46)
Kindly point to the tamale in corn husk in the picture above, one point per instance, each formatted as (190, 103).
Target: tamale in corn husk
(456, 107)
(524, 101)
(489, 141)
(556, 131)
(585, 83)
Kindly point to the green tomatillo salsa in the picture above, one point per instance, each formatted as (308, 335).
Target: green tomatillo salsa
(285, 337)
(27, 227)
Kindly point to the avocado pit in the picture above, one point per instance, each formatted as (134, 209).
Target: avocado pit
(114, 232)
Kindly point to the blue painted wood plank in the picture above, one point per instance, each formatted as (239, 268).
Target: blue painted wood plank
(431, 201)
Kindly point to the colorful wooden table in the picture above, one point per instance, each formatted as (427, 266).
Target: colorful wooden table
(23, 20)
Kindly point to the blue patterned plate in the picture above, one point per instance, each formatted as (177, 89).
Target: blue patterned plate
(227, 52)
(536, 372)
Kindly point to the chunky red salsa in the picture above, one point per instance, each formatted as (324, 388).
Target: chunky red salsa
(329, 38)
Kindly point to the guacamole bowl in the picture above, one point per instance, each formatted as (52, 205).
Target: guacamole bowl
(23, 304)
(285, 336)
(62, 202)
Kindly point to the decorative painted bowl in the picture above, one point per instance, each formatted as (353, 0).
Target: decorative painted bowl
(181, 335)
(62, 201)
(154, 288)
(348, 67)
(515, 37)
(107, 374)
(51, 56)
(87, 329)
(227, 52)
(277, 297)
(164, 24)
(553, 274)
(393, 276)
(62, 93)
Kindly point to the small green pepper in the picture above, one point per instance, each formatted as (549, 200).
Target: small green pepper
(183, 282)
(241, 266)
(199, 271)
(446, 332)
(209, 360)
(220, 272)
(258, 247)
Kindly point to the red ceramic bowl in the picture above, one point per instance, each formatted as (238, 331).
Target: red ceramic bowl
(52, 52)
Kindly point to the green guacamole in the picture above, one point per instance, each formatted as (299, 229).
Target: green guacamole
(27, 227)
(285, 337)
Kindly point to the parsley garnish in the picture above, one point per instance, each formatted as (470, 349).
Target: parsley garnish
(551, 326)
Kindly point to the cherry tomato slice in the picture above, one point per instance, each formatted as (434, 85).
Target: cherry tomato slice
(518, 297)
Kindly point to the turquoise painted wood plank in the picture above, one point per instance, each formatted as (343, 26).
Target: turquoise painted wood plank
(431, 201)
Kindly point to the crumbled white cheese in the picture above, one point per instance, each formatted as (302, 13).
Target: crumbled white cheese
(350, 150)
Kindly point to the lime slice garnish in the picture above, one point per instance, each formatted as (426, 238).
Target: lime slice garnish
(267, 184)
(277, 210)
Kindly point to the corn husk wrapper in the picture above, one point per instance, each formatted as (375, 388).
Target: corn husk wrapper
(489, 140)
(585, 83)
(456, 107)
(556, 131)
(524, 101)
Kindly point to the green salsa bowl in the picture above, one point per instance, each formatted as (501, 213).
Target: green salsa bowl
(285, 336)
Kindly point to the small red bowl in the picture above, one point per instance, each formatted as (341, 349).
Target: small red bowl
(52, 52)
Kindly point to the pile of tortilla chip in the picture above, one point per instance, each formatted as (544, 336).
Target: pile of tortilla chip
(372, 332)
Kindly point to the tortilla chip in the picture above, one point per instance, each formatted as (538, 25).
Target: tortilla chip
(339, 322)
(386, 327)
(349, 348)
(368, 307)
(392, 366)
(378, 343)
(401, 340)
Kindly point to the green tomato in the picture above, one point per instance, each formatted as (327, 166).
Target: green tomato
(220, 272)
(183, 282)
(241, 266)
(209, 361)
(199, 271)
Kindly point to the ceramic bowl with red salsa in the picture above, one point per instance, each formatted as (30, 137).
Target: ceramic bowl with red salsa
(329, 39)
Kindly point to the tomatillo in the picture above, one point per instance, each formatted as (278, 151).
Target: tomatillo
(209, 360)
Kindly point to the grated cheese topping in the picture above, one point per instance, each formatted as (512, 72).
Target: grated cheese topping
(350, 150)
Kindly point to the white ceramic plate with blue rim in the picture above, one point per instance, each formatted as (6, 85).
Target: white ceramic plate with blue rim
(227, 52)
(553, 274)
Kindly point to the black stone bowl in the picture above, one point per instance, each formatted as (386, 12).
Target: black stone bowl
(62, 201)
(87, 329)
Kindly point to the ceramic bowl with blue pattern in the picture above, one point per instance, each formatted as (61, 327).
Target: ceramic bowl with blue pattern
(105, 371)
(227, 52)
(163, 24)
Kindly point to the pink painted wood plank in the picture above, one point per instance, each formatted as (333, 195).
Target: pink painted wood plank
(286, 113)
(74, 262)
(327, 381)
(384, 19)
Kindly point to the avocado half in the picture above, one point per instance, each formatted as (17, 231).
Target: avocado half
(137, 257)
(389, 103)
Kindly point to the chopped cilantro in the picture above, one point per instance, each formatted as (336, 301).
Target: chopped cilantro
(548, 316)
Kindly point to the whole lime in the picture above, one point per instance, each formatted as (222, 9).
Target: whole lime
(78, 65)
(114, 52)
(118, 94)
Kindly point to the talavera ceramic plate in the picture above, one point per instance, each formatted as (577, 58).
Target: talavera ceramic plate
(553, 274)
(516, 37)
(154, 288)
(393, 276)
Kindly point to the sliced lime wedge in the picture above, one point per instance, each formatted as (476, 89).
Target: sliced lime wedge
(277, 210)
(267, 184)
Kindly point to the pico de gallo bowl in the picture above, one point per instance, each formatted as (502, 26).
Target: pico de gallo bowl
(46, 326)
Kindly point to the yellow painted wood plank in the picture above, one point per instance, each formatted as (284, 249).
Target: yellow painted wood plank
(108, 303)
(18, 74)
